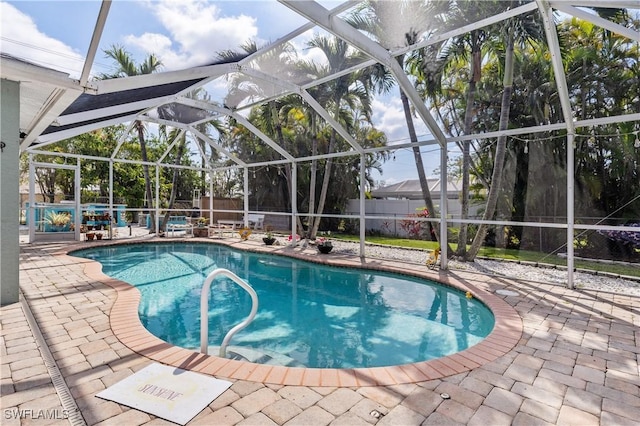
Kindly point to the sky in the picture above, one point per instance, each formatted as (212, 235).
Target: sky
(182, 33)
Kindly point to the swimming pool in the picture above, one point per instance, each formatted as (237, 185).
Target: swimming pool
(310, 315)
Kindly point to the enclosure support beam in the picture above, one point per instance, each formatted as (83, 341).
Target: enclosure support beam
(95, 41)
(157, 206)
(9, 189)
(294, 201)
(363, 173)
(444, 189)
(31, 211)
(111, 198)
(210, 200)
(338, 27)
(597, 20)
(563, 94)
(33, 165)
(77, 193)
(245, 201)
(570, 207)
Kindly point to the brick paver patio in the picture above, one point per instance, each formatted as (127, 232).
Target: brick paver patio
(576, 363)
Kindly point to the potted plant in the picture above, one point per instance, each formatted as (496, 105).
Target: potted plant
(202, 222)
(269, 239)
(324, 245)
(58, 220)
(90, 236)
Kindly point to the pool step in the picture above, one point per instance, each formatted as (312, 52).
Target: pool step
(258, 356)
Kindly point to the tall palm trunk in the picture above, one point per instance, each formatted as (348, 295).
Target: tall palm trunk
(325, 187)
(126, 67)
(203, 164)
(147, 178)
(288, 177)
(314, 170)
(275, 118)
(327, 173)
(501, 148)
(475, 65)
(424, 184)
(174, 183)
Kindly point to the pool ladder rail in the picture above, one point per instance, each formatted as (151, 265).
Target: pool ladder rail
(204, 310)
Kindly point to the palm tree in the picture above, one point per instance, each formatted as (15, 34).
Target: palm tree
(369, 137)
(278, 61)
(204, 147)
(305, 123)
(128, 68)
(466, 48)
(348, 91)
(182, 114)
(173, 136)
(346, 98)
(519, 29)
(602, 71)
(381, 20)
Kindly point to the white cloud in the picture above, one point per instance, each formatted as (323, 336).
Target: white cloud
(388, 117)
(22, 38)
(197, 30)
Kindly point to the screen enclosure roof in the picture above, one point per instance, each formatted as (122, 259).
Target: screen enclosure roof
(55, 106)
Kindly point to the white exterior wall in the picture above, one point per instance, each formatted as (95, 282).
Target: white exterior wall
(397, 208)
(9, 191)
(400, 209)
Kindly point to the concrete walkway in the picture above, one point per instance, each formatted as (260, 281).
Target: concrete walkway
(576, 363)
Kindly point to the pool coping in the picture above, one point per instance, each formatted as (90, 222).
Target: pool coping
(127, 327)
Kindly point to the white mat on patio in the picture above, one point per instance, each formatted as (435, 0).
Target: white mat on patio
(168, 392)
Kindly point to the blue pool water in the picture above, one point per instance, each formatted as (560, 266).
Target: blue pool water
(310, 314)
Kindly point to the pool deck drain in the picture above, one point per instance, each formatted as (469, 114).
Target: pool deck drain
(576, 362)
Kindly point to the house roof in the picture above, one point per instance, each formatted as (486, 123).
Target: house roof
(411, 189)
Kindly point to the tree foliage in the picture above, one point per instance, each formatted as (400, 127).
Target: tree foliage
(491, 79)
(602, 73)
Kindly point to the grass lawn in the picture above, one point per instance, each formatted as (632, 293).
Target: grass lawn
(505, 254)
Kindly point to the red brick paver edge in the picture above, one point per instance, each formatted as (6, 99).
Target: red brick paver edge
(127, 327)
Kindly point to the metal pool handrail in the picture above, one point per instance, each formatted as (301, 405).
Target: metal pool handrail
(204, 310)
